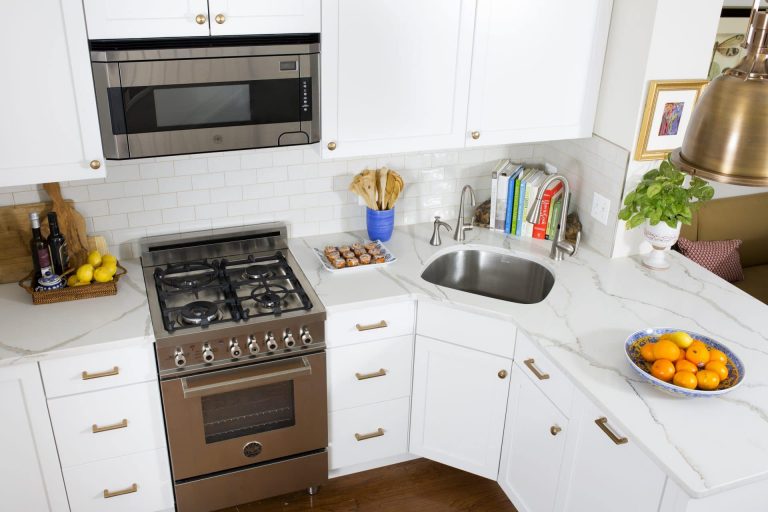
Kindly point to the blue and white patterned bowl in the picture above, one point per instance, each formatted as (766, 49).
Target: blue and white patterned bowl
(636, 340)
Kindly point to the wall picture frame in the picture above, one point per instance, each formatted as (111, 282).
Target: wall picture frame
(667, 113)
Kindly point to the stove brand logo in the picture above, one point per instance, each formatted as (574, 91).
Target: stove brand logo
(252, 449)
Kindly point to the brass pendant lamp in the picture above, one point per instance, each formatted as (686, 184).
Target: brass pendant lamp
(727, 137)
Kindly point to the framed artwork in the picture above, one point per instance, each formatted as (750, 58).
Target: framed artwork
(667, 113)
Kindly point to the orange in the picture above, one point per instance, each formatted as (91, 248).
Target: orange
(684, 365)
(646, 352)
(682, 356)
(685, 380)
(665, 349)
(717, 355)
(719, 368)
(698, 354)
(707, 380)
(663, 369)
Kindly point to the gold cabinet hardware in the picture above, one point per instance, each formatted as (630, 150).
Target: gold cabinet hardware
(96, 429)
(95, 165)
(331, 146)
(603, 424)
(200, 19)
(362, 437)
(554, 430)
(502, 374)
(475, 135)
(379, 325)
(531, 364)
(111, 494)
(362, 376)
(220, 19)
(108, 373)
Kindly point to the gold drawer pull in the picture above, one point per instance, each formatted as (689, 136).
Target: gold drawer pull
(362, 376)
(111, 494)
(370, 327)
(554, 430)
(530, 363)
(362, 437)
(96, 429)
(603, 424)
(109, 373)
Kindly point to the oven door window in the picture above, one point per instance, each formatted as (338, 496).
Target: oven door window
(248, 411)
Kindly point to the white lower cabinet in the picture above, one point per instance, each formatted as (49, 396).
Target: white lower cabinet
(459, 405)
(534, 442)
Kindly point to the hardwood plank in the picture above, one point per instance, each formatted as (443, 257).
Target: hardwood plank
(419, 485)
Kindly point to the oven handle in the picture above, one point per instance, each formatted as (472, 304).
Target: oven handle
(245, 382)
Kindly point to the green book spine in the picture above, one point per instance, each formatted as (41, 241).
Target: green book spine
(515, 203)
(554, 217)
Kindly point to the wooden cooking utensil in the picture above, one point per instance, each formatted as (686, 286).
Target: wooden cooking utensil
(72, 225)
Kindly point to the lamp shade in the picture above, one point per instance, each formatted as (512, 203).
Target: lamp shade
(727, 136)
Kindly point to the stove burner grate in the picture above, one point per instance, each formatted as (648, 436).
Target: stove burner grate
(271, 298)
(200, 312)
(191, 276)
(258, 272)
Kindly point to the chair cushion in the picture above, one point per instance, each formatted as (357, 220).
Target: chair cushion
(721, 257)
(755, 282)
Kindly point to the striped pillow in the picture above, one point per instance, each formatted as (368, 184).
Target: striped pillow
(721, 257)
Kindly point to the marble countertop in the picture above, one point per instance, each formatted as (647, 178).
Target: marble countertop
(32, 332)
(706, 445)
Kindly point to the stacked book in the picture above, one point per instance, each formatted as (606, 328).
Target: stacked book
(513, 192)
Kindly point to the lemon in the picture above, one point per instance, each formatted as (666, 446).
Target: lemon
(102, 275)
(110, 267)
(73, 280)
(108, 259)
(94, 258)
(82, 283)
(679, 338)
(85, 273)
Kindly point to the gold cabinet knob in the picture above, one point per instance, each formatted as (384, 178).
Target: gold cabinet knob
(554, 430)
(502, 374)
(220, 19)
(95, 164)
(475, 135)
(331, 146)
(200, 19)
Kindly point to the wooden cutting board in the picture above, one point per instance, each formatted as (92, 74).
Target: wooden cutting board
(15, 234)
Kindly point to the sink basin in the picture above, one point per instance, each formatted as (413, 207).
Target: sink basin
(491, 274)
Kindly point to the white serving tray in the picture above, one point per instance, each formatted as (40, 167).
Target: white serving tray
(388, 259)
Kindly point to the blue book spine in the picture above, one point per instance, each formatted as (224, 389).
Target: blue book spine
(510, 201)
(520, 209)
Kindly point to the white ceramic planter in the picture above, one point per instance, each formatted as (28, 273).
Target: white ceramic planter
(661, 237)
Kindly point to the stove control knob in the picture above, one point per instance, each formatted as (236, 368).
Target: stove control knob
(234, 348)
(179, 357)
(253, 345)
(269, 339)
(306, 338)
(207, 353)
(288, 339)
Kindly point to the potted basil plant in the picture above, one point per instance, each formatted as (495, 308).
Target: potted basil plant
(662, 203)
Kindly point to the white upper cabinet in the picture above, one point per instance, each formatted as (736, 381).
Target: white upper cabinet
(235, 17)
(536, 70)
(395, 75)
(50, 130)
(118, 19)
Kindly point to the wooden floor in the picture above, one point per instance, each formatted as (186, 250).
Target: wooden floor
(419, 485)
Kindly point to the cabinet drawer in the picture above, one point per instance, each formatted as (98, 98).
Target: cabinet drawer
(99, 370)
(368, 433)
(370, 323)
(548, 377)
(471, 330)
(126, 420)
(366, 373)
(148, 471)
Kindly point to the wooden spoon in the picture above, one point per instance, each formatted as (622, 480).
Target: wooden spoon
(72, 225)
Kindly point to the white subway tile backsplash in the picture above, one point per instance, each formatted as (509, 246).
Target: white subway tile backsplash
(270, 174)
(190, 167)
(257, 160)
(30, 196)
(90, 209)
(159, 201)
(224, 163)
(186, 213)
(315, 185)
(6, 200)
(156, 169)
(302, 172)
(288, 188)
(126, 205)
(176, 184)
(235, 178)
(110, 222)
(193, 197)
(320, 213)
(273, 204)
(258, 191)
(119, 173)
(288, 156)
(210, 211)
(141, 187)
(147, 218)
(208, 181)
(106, 191)
(245, 207)
(335, 168)
(226, 194)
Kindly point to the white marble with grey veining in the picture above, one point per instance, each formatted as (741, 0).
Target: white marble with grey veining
(29, 332)
(706, 445)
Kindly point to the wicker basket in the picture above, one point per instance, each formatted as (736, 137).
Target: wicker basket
(90, 291)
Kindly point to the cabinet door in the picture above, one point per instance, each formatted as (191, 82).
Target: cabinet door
(50, 130)
(30, 476)
(536, 69)
(458, 407)
(395, 75)
(604, 473)
(236, 17)
(118, 19)
(534, 440)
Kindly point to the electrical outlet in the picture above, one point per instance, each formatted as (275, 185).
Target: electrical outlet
(601, 205)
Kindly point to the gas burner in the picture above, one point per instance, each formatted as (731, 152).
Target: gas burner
(255, 272)
(270, 299)
(188, 276)
(200, 312)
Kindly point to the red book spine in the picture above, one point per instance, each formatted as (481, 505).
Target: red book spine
(540, 229)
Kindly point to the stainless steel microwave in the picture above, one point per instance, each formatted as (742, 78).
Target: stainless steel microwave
(180, 96)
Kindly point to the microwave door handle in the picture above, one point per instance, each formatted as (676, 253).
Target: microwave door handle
(245, 382)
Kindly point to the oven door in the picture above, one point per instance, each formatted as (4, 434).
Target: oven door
(231, 418)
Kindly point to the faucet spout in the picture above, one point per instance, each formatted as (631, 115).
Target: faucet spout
(560, 245)
(462, 226)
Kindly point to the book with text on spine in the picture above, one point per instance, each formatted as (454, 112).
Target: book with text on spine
(511, 198)
(540, 228)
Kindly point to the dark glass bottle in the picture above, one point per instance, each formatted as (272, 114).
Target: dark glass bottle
(57, 244)
(41, 257)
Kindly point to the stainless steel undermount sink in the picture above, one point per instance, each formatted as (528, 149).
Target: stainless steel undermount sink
(492, 274)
